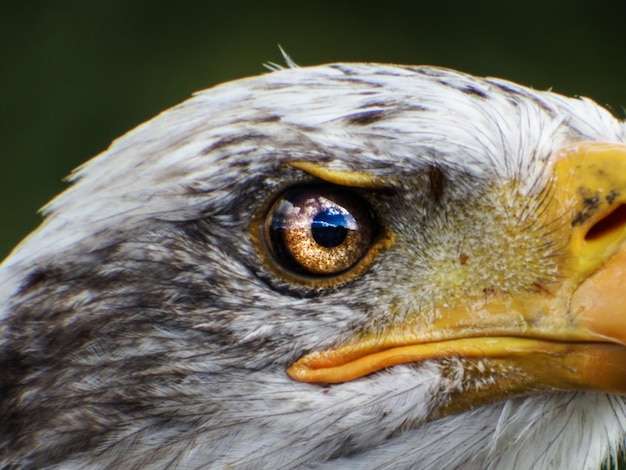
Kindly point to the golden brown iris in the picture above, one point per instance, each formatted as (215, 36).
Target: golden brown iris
(320, 230)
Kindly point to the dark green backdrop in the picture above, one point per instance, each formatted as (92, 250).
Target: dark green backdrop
(76, 74)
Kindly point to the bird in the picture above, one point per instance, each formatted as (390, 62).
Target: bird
(352, 265)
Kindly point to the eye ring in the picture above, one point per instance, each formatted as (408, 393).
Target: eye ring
(319, 230)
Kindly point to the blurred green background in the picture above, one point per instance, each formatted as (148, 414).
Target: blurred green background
(77, 74)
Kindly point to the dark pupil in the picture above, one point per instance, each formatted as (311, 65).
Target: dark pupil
(329, 228)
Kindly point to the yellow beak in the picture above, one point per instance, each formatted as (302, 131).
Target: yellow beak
(567, 335)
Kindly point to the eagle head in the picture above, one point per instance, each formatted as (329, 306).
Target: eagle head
(344, 266)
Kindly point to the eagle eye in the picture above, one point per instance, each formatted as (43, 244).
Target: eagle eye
(319, 230)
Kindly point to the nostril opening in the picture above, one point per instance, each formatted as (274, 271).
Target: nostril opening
(608, 224)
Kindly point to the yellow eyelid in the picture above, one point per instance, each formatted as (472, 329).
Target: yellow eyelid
(349, 178)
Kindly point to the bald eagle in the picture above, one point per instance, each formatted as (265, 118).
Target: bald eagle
(343, 266)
